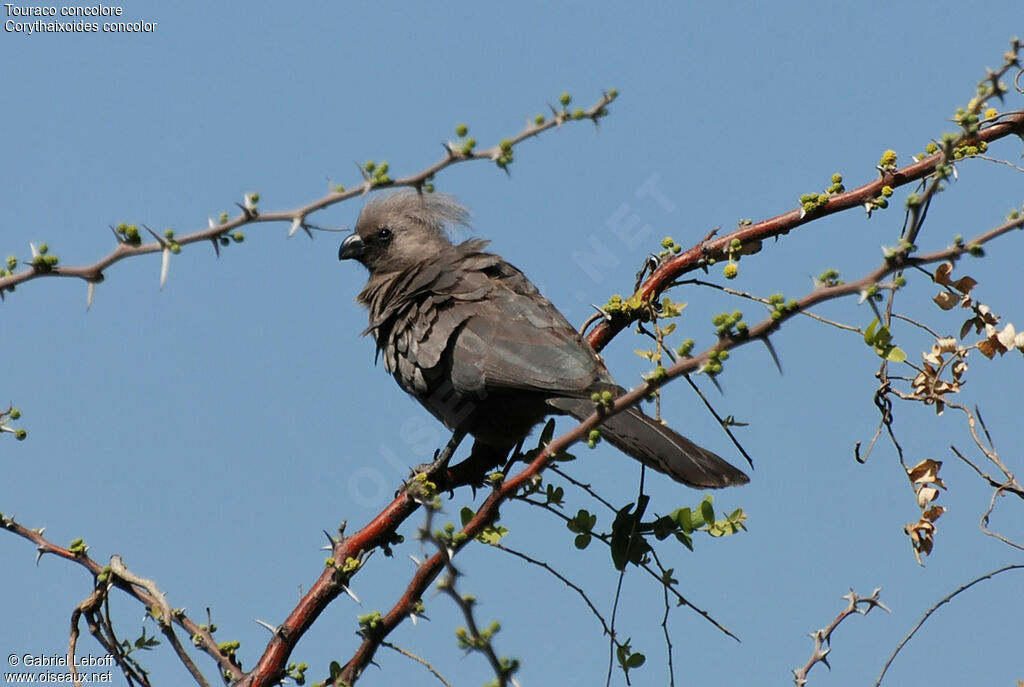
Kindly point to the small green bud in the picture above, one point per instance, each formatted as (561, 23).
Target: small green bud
(578, 114)
(238, 237)
(976, 250)
(538, 120)
(730, 271)
(565, 99)
(613, 93)
(20, 434)
(169, 233)
(15, 414)
(12, 262)
(461, 130)
(370, 166)
(175, 248)
(43, 249)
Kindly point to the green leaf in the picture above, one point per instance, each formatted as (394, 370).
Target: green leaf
(896, 355)
(869, 333)
(547, 433)
(627, 542)
(707, 511)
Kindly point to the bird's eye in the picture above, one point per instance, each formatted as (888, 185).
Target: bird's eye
(384, 235)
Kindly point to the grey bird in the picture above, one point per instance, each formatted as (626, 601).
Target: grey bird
(474, 341)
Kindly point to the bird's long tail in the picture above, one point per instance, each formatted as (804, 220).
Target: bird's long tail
(658, 446)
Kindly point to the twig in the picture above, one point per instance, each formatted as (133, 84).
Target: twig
(928, 614)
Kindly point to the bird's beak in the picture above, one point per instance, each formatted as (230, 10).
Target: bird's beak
(351, 247)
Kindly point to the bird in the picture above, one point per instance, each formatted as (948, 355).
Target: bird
(475, 342)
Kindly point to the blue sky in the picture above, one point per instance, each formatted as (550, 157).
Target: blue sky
(209, 432)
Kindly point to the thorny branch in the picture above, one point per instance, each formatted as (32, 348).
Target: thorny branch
(297, 217)
(823, 637)
(930, 611)
(350, 552)
(201, 637)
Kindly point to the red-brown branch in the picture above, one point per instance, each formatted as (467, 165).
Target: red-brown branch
(672, 268)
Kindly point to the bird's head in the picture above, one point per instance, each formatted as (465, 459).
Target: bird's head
(400, 229)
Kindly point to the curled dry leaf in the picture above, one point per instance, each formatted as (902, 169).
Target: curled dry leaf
(925, 478)
(920, 534)
(927, 471)
(942, 276)
(1001, 341)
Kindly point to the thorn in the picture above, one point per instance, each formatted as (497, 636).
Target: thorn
(35, 251)
(296, 223)
(774, 355)
(165, 266)
(39, 554)
(92, 292)
(268, 626)
(604, 314)
(210, 221)
(415, 560)
(332, 540)
(351, 593)
(362, 172)
(216, 245)
(117, 237)
(715, 382)
(246, 211)
(160, 239)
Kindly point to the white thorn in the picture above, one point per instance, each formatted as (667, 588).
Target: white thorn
(415, 560)
(210, 220)
(35, 251)
(164, 267)
(296, 223)
(351, 593)
(92, 292)
(268, 626)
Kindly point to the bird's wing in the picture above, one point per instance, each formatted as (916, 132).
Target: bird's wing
(509, 336)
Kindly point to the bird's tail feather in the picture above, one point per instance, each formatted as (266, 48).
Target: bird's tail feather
(658, 446)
